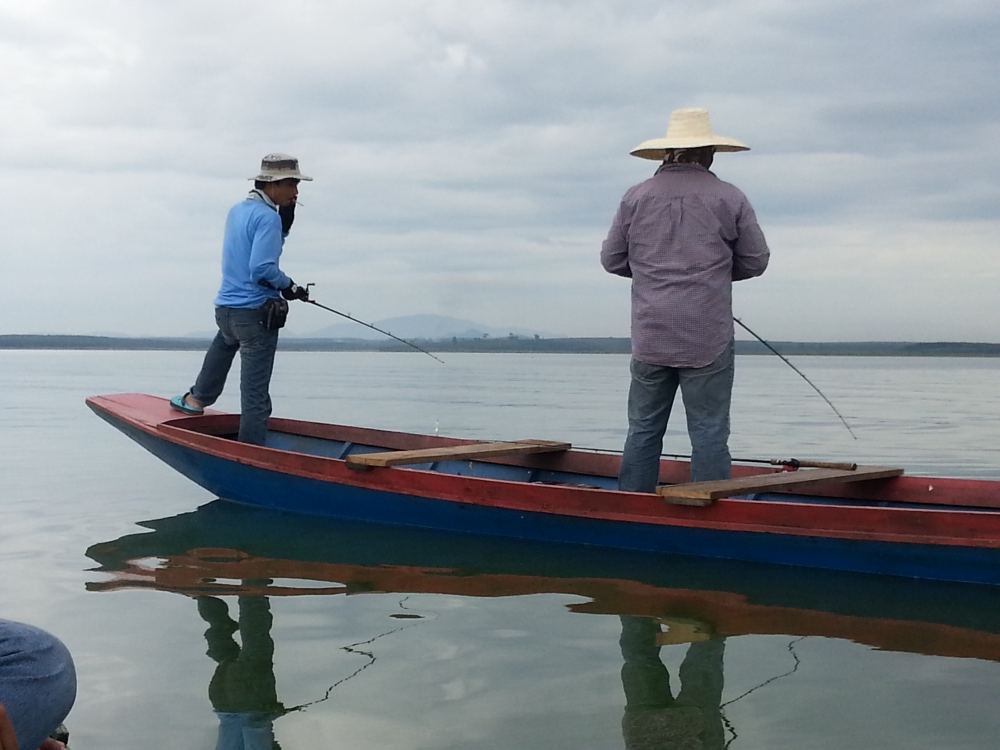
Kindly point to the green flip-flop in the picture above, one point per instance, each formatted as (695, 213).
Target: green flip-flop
(179, 403)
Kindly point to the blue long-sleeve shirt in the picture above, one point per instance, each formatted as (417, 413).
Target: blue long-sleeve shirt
(251, 248)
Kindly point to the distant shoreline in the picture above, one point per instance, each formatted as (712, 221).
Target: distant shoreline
(511, 344)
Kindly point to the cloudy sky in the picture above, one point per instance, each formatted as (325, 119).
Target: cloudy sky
(469, 156)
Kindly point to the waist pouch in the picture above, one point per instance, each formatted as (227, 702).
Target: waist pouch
(274, 313)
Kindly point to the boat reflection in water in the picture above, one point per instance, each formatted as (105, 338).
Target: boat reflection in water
(223, 549)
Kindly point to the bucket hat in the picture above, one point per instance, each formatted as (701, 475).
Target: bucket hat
(274, 167)
(688, 128)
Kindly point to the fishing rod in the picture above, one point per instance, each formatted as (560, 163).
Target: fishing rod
(374, 328)
(793, 463)
(801, 374)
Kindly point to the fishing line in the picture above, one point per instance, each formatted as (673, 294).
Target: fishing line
(801, 374)
(795, 668)
(770, 680)
(352, 648)
(373, 327)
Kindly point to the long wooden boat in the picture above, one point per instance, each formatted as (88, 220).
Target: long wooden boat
(865, 519)
(224, 549)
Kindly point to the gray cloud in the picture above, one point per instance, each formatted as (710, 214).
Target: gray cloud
(469, 162)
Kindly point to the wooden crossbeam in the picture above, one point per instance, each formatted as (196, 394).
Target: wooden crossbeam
(473, 450)
(703, 493)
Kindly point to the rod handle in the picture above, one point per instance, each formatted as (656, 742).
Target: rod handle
(805, 463)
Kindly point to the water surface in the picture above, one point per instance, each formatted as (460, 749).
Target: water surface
(356, 636)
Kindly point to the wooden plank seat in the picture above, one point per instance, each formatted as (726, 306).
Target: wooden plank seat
(473, 450)
(703, 493)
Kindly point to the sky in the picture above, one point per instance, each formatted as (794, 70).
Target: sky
(469, 157)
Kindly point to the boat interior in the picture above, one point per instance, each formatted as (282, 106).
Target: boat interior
(537, 462)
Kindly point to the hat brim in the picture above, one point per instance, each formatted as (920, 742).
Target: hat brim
(657, 147)
(279, 178)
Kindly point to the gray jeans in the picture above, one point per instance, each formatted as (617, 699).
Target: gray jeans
(707, 392)
(241, 330)
(37, 681)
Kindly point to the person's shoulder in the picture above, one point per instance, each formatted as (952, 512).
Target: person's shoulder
(256, 212)
(639, 188)
(257, 207)
(728, 188)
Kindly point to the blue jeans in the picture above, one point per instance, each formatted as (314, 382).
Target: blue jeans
(241, 330)
(37, 681)
(707, 393)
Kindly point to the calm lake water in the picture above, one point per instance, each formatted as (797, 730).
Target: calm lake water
(374, 638)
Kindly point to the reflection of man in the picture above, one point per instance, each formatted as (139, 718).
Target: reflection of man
(242, 690)
(654, 718)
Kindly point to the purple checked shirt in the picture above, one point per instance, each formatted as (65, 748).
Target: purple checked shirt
(683, 236)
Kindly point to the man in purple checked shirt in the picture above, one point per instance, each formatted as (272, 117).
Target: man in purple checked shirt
(683, 236)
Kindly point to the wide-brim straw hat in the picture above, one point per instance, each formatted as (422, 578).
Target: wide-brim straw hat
(688, 128)
(275, 167)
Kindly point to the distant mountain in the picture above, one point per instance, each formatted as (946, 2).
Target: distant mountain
(427, 327)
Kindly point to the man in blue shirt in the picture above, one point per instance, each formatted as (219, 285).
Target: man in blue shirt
(250, 306)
